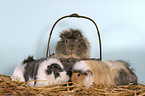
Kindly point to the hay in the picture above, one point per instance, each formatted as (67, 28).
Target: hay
(8, 87)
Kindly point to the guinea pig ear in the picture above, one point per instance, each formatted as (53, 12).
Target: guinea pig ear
(78, 33)
(63, 36)
(72, 71)
(88, 72)
(49, 70)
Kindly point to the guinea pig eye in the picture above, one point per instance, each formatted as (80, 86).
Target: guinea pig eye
(78, 75)
(57, 74)
(66, 41)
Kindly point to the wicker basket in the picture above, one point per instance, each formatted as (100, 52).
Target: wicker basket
(8, 87)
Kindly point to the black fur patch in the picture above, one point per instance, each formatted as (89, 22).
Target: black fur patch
(124, 78)
(29, 59)
(55, 68)
(77, 71)
(48, 71)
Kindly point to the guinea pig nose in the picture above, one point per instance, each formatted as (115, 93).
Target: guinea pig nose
(71, 50)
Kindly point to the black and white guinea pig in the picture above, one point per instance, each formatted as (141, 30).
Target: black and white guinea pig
(44, 71)
(86, 72)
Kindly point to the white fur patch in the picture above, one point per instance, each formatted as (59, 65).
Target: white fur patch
(88, 80)
(82, 65)
(18, 74)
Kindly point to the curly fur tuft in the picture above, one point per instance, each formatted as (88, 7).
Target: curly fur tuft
(71, 34)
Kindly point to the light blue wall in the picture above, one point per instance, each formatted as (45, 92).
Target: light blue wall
(25, 25)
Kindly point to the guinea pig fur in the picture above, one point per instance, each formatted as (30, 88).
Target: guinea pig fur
(44, 71)
(103, 72)
(68, 63)
(72, 45)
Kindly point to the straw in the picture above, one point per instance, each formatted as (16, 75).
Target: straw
(8, 87)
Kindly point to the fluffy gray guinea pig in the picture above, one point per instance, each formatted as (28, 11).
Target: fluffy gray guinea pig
(72, 45)
(44, 71)
(103, 72)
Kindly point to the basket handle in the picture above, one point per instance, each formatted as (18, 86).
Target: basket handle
(78, 16)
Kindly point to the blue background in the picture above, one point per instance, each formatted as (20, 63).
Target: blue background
(25, 25)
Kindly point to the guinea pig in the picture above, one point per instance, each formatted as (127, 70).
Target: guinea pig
(72, 45)
(117, 73)
(68, 63)
(41, 72)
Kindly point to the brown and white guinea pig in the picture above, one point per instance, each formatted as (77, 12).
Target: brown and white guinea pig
(103, 72)
(44, 71)
(72, 45)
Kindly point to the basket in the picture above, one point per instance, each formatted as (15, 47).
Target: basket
(17, 88)
(74, 15)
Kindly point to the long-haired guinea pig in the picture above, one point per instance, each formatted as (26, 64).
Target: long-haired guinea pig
(72, 45)
(108, 72)
(41, 72)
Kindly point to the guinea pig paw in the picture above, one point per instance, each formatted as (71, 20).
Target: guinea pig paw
(15, 78)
